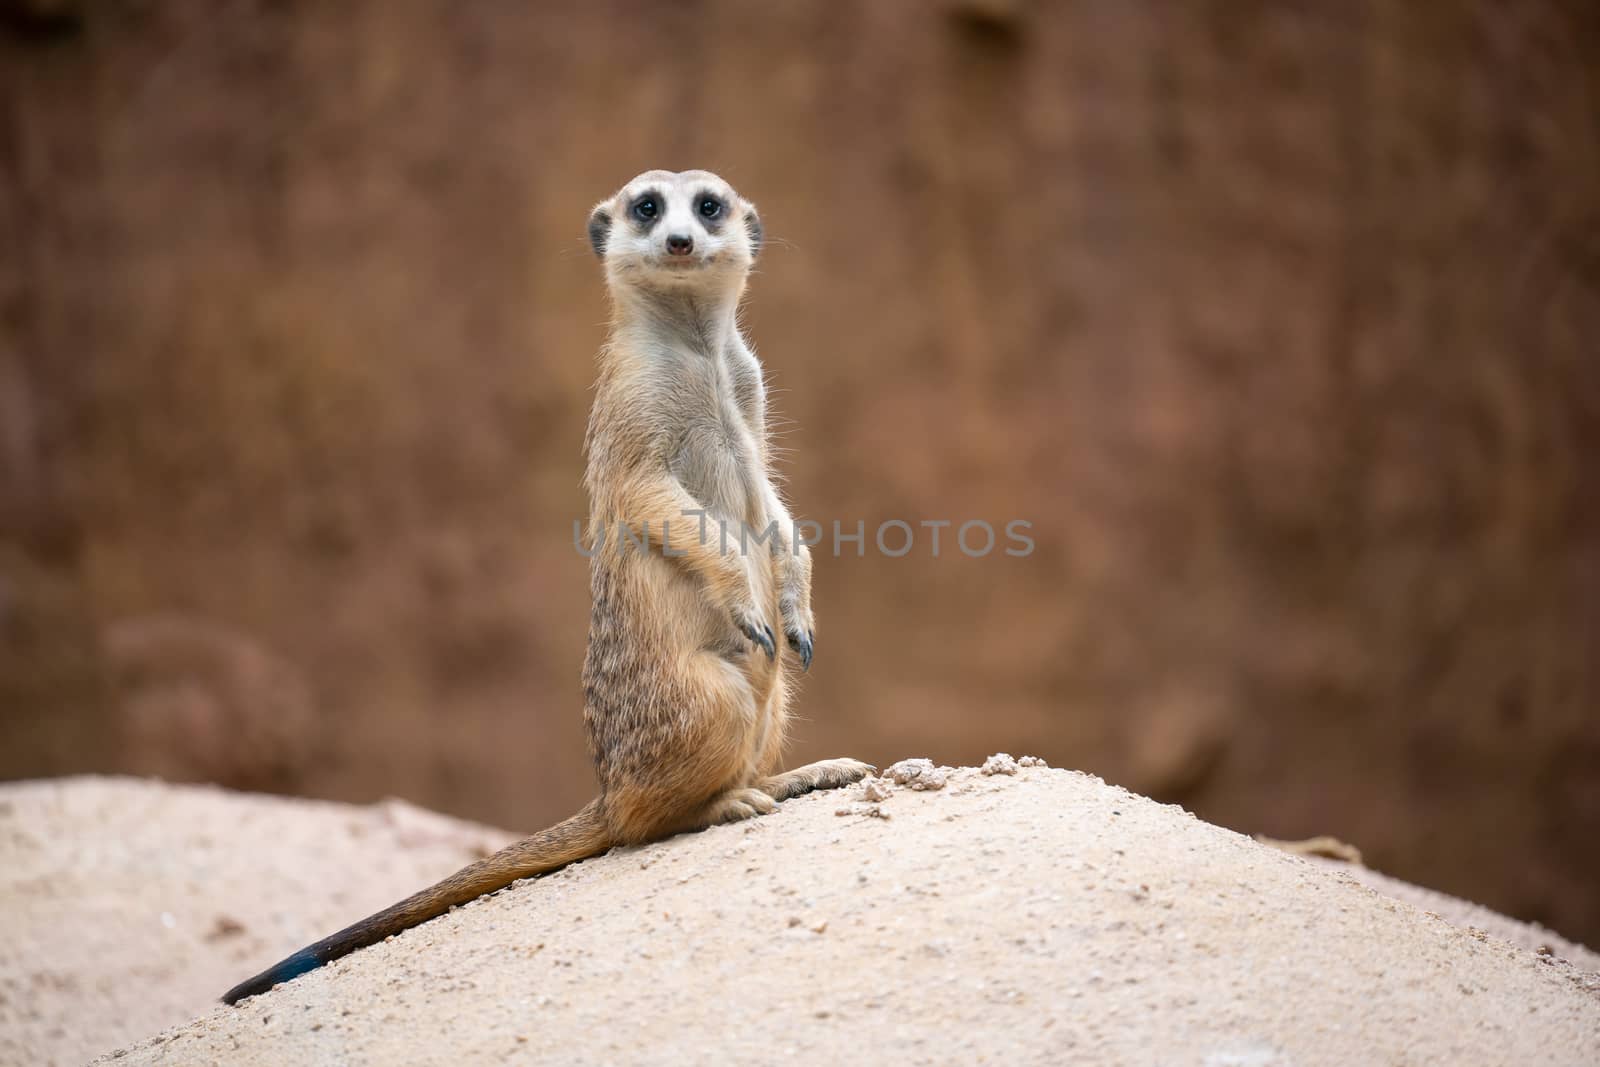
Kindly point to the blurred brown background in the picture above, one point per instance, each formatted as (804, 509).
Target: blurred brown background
(1280, 322)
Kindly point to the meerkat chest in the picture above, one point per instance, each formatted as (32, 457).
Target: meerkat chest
(716, 454)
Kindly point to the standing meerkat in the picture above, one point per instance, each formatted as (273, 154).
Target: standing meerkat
(685, 684)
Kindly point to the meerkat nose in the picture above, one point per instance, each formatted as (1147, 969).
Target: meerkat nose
(679, 244)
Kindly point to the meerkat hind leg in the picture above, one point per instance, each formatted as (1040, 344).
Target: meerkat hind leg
(824, 774)
(738, 804)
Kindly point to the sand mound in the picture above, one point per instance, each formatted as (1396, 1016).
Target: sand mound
(1032, 917)
(127, 906)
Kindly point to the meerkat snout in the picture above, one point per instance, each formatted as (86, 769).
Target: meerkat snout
(680, 244)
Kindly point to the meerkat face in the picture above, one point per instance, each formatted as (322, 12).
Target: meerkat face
(687, 229)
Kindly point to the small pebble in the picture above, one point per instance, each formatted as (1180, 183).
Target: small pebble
(918, 774)
(999, 763)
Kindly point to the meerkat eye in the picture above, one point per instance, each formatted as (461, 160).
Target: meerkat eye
(710, 207)
(645, 209)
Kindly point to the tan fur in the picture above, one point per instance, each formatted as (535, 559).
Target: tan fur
(686, 682)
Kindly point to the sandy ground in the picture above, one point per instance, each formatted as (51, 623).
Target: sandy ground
(1018, 919)
(128, 906)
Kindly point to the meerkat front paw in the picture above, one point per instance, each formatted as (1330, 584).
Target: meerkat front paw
(800, 629)
(748, 621)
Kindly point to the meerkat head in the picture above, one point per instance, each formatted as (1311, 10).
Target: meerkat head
(667, 230)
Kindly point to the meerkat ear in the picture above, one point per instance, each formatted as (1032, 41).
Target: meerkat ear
(599, 231)
(752, 225)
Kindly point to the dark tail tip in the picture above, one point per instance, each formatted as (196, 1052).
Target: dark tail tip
(293, 967)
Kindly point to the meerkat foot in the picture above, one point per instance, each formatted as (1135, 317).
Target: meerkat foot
(738, 804)
(824, 774)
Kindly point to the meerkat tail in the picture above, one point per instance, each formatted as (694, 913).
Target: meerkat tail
(583, 835)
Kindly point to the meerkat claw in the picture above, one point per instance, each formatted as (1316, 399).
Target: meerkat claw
(803, 644)
(760, 634)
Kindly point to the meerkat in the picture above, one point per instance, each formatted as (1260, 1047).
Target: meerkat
(686, 682)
